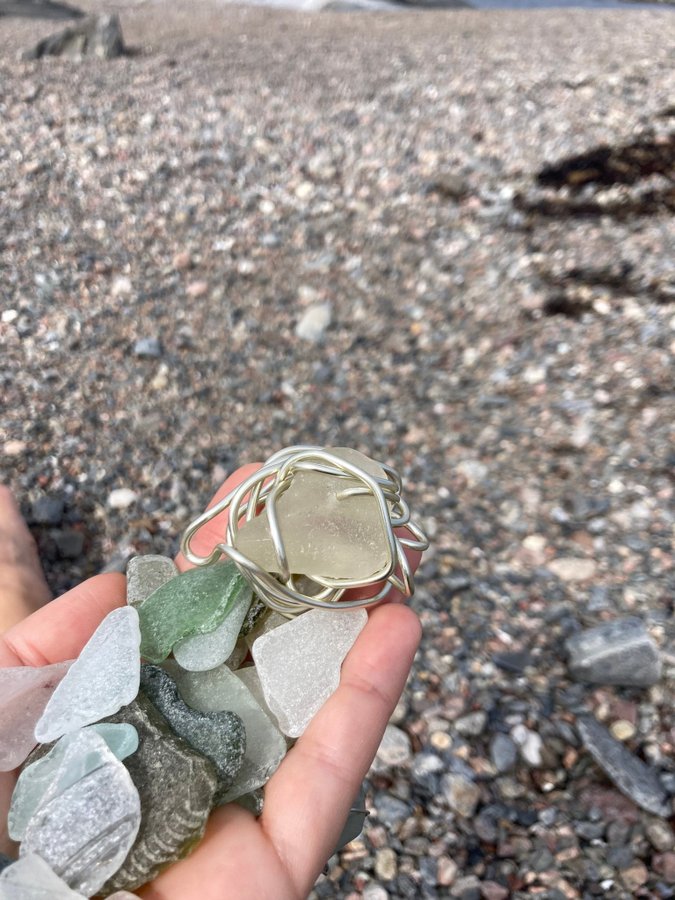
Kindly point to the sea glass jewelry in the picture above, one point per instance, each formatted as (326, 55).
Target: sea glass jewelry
(190, 695)
(312, 523)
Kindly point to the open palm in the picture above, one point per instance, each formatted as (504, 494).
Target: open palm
(280, 854)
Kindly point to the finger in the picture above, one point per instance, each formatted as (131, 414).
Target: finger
(308, 798)
(23, 588)
(213, 531)
(60, 630)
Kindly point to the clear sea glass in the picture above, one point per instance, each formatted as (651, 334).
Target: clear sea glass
(85, 826)
(299, 663)
(37, 778)
(102, 679)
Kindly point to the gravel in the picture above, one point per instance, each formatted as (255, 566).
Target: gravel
(505, 341)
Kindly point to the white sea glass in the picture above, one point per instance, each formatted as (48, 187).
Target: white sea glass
(323, 535)
(85, 831)
(24, 693)
(201, 652)
(299, 663)
(147, 573)
(220, 690)
(37, 778)
(30, 878)
(103, 679)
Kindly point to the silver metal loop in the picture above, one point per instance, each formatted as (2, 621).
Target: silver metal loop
(262, 491)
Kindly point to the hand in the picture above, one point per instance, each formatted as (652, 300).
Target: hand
(279, 855)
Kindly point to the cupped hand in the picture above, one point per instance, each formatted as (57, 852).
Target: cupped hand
(279, 855)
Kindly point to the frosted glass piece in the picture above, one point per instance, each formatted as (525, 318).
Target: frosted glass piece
(84, 832)
(30, 878)
(221, 690)
(323, 535)
(145, 574)
(104, 678)
(24, 693)
(37, 778)
(299, 663)
(206, 651)
(195, 602)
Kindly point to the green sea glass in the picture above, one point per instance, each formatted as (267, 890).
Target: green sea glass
(177, 787)
(324, 533)
(38, 776)
(220, 735)
(195, 602)
(206, 651)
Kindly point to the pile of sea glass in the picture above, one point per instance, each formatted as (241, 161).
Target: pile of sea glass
(186, 698)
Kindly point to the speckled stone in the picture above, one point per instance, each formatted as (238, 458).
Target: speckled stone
(177, 787)
(219, 736)
(145, 574)
(24, 693)
(38, 776)
(195, 602)
(103, 678)
(218, 690)
(30, 878)
(85, 831)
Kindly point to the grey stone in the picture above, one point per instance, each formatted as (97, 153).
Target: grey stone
(503, 753)
(472, 724)
(633, 778)
(69, 543)
(390, 810)
(619, 652)
(148, 348)
(5, 861)
(394, 749)
(467, 888)
(47, 511)
(177, 787)
(461, 794)
(99, 36)
(39, 9)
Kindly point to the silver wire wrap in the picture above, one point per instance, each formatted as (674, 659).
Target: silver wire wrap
(284, 593)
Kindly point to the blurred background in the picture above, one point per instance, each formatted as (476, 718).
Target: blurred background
(442, 237)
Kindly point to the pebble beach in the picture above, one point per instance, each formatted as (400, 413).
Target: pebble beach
(262, 228)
